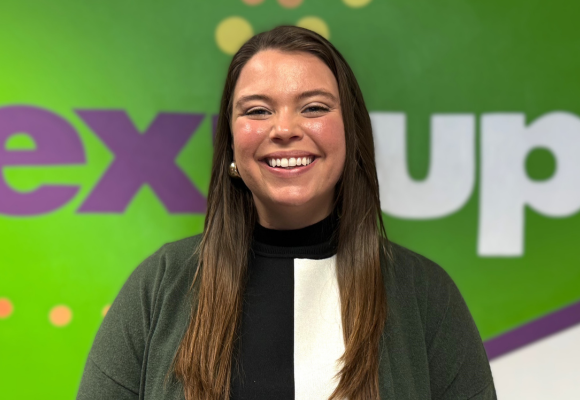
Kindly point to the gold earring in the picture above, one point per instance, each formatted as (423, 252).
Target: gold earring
(233, 170)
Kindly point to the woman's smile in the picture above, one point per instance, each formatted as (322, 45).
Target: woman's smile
(291, 171)
(289, 163)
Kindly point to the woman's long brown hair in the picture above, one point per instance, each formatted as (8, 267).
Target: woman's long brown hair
(203, 361)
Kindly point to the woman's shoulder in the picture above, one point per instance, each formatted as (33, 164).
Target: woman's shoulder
(177, 253)
(404, 263)
(181, 251)
(151, 299)
(421, 292)
(173, 260)
(412, 278)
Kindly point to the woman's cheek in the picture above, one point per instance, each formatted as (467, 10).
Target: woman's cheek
(327, 132)
(314, 127)
(248, 136)
(249, 132)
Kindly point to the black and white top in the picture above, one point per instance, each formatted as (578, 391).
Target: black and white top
(291, 333)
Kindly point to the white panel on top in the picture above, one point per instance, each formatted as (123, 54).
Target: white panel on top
(318, 339)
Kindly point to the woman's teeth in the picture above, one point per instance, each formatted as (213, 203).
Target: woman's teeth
(289, 162)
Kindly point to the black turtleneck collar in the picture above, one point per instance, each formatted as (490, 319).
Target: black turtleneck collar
(315, 241)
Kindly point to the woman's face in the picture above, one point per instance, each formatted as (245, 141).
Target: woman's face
(288, 137)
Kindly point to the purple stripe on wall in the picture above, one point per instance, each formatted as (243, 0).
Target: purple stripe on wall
(533, 331)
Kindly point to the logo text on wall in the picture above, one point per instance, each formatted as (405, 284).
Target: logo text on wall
(149, 158)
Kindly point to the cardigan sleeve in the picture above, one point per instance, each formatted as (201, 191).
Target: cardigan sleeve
(458, 363)
(114, 364)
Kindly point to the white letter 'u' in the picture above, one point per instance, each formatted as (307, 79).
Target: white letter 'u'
(451, 177)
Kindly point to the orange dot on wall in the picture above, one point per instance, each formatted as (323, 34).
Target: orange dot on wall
(6, 308)
(253, 2)
(105, 310)
(60, 315)
(290, 3)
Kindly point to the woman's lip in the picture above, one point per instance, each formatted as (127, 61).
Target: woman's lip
(288, 172)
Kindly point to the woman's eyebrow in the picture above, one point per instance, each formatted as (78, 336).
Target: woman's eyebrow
(316, 92)
(250, 97)
(301, 96)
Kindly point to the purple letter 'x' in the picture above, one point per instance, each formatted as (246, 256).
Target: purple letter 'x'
(140, 159)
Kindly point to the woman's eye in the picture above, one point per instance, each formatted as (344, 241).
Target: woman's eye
(262, 112)
(316, 109)
(257, 111)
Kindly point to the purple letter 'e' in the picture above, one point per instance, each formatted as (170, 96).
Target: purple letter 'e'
(57, 143)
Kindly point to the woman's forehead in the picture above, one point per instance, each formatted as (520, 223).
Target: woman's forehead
(274, 72)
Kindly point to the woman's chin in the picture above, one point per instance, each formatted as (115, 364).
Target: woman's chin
(290, 201)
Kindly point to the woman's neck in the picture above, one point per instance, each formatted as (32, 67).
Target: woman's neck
(284, 217)
(320, 232)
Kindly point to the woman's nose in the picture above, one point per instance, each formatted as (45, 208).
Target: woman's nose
(286, 128)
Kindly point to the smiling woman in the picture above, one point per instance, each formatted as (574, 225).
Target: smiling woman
(287, 108)
(284, 295)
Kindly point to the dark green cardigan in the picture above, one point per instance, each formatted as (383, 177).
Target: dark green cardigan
(431, 348)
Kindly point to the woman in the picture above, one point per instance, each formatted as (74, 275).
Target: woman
(286, 294)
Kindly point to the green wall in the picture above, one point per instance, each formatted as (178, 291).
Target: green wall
(421, 58)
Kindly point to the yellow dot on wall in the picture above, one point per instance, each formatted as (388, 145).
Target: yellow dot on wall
(253, 2)
(60, 315)
(232, 33)
(356, 3)
(6, 308)
(105, 310)
(290, 3)
(315, 24)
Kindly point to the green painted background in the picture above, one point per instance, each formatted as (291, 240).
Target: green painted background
(420, 57)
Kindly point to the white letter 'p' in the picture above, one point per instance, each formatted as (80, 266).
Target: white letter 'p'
(505, 186)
